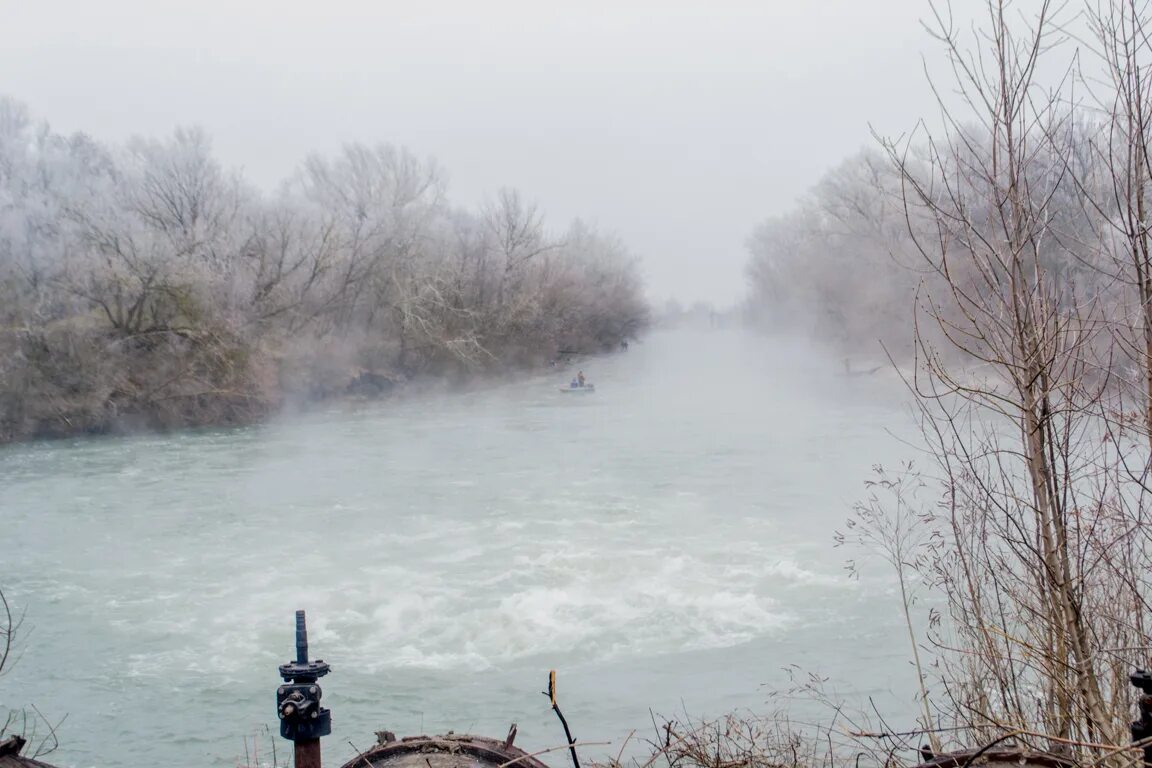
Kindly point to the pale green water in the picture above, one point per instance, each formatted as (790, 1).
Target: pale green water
(664, 543)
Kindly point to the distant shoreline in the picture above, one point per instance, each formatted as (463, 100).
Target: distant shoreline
(224, 411)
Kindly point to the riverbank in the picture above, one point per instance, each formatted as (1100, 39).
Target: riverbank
(140, 400)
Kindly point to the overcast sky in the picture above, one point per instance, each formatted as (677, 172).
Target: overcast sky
(677, 125)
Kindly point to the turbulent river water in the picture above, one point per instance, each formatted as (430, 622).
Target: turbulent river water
(665, 544)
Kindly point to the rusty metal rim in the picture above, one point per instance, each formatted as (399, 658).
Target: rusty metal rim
(483, 747)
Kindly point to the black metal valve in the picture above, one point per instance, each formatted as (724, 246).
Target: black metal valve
(298, 700)
(1142, 728)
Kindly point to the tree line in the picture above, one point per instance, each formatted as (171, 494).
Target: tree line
(146, 285)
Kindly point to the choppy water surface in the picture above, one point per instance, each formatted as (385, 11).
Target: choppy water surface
(664, 543)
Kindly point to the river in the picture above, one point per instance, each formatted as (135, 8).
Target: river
(665, 544)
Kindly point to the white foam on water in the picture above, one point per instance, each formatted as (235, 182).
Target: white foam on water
(790, 570)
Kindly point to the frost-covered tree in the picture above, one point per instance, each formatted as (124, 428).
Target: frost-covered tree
(147, 284)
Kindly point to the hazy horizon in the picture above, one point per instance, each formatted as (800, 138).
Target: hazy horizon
(677, 127)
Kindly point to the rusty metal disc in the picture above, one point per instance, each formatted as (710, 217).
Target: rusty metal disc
(448, 751)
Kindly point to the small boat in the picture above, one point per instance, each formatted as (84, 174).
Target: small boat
(587, 389)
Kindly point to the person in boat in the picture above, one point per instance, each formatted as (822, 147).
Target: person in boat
(580, 378)
(575, 384)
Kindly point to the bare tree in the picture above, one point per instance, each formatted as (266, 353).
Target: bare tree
(1026, 507)
(841, 267)
(517, 234)
(1115, 178)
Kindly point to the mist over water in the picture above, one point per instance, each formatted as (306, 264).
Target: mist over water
(665, 544)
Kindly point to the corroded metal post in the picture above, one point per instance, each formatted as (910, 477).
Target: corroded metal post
(302, 719)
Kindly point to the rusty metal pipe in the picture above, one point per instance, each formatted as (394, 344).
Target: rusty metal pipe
(301, 639)
(307, 753)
